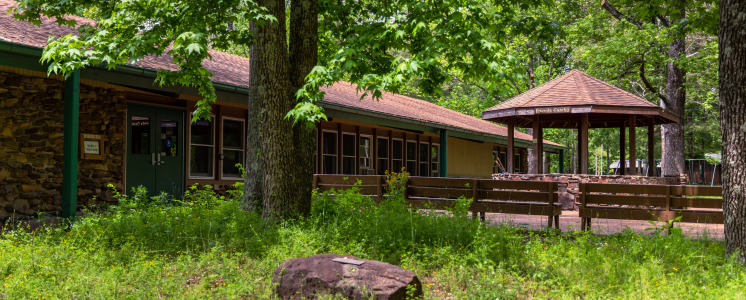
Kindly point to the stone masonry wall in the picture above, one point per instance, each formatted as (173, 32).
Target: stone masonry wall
(31, 140)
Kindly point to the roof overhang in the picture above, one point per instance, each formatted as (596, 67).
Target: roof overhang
(599, 116)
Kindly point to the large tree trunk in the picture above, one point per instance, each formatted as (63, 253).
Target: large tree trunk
(303, 57)
(673, 134)
(732, 73)
(252, 192)
(269, 85)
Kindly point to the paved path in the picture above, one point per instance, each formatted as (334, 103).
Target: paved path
(569, 220)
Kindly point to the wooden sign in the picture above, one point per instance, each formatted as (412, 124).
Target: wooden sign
(552, 110)
(91, 146)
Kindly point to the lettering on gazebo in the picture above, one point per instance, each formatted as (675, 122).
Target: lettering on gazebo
(552, 110)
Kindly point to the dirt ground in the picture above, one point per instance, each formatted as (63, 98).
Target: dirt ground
(569, 220)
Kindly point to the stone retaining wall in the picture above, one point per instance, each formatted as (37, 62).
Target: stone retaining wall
(31, 140)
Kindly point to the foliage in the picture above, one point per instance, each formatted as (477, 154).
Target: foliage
(208, 248)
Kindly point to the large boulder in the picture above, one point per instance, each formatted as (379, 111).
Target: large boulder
(567, 200)
(309, 277)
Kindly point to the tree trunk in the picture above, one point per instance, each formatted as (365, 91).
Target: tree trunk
(252, 189)
(303, 57)
(732, 72)
(269, 85)
(676, 95)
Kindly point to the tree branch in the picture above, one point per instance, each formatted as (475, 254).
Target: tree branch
(618, 15)
(647, 83)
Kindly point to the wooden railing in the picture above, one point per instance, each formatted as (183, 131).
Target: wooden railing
(494, 196)
(695, 204)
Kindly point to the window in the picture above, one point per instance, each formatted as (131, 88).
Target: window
(329, 145)
(412, 158)
(365, 155)
(140, 135)
(495, 168)
(382, 152)
(423, 159)
(503, 160)
(233, 147)
(201, 149)
(434, 167)
(517, 163)
(397, 162)
(348, 154)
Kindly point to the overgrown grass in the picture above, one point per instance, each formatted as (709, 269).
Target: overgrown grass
(206, 247)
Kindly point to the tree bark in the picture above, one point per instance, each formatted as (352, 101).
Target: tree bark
(303, 57)
(732, 92)
(252, 192)
(269, 85)
(676, 95)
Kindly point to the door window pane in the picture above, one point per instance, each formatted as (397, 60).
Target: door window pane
(330, 143)
(348, 165)
(140, 135)
(233, 134)
(169, 137)
(397, 144)
(382, 148)
(411, 151)
(423, 152)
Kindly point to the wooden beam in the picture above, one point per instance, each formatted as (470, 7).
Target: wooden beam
(538, 157)
(584, 143)
(632, 145)
(429, 156)
(374, 152)
(416, 170)
(622, 145)
(357, 150)
(651, 149)
(339, 148)
(511, 137)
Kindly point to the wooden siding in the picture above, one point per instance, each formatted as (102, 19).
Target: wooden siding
(467, 158)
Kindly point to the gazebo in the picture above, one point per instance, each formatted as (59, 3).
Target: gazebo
(578, 100)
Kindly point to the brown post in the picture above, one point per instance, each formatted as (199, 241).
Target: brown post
(632, 145)
(429, 156)
(315, 181)
(582, 206)
(339, 148)
(580, 151)
(416, 170)
(374, 152)
(651, 148)
(357, 150)
(391, 153)
(509, 157)
(538, 158)
(319, 141)
(622, 145)
(583, 144)
(550, 196)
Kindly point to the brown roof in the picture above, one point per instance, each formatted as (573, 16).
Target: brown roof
(233, 69)
(574, 88)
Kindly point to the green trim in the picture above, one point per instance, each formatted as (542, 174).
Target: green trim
(70, 146)
(443, 153)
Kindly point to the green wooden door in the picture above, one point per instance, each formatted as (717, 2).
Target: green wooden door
(155, 150)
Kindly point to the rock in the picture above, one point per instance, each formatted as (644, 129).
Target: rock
(318, 275)
(17, 207)
(567, 200)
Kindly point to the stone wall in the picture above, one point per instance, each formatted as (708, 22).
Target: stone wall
(31, 140)
(569, 183)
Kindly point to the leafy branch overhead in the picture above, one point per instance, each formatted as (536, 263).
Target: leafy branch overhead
(127, 31)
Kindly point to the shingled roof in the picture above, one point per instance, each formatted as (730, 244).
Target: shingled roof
(566, 97)
(234, 70)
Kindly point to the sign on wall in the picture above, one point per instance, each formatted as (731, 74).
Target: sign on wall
(91, 146)
(552, 110)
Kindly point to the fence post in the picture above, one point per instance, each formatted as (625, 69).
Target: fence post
(668, 207)
(315, 181)
(379, 188)
(582, 205)
(550, 211)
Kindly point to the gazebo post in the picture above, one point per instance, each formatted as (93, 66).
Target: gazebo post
(579, 155)
(622, 144)
(509, 157)
(583, 143)
(632, 145)
(538, 156)
(651, 148)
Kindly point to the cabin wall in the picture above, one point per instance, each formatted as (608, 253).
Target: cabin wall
(31, 143)
(468, 158)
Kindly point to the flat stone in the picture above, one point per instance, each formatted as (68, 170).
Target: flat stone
(310, 277)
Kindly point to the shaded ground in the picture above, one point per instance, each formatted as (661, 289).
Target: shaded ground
(569, 220)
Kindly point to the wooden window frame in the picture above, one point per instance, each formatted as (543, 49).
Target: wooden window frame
(336, 157)
(223, 148)
(354, 151)
(214, 150)
(370, 158)
(434, 163)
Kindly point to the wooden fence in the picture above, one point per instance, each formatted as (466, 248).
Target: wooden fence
(695, 204)
(494, 196)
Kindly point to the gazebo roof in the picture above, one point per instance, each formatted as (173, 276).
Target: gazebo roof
(562, 101)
